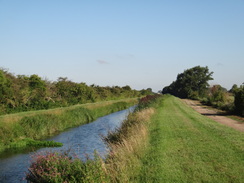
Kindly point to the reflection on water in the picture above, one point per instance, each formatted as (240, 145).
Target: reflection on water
(82, 140)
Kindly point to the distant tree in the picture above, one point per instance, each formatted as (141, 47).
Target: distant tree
(192, 83)
(217, 94)
(126, 87)
(149, 89)
(239, 100)
(37, 99)
(36, 82)
(234, 88)
(24, 93)
(6, 91)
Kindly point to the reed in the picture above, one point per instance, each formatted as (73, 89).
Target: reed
(40, 125)
(124, 161)
(128, 145)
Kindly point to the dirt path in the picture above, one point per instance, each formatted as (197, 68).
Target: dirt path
(216, 116)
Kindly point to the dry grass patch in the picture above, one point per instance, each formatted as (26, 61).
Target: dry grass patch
(124, 162)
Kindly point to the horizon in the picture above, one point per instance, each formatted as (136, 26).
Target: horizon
(137, 43)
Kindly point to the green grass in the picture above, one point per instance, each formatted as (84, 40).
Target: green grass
(237, 118)
(16, 128)
(121, 165)
(168, 142)
(188, 147)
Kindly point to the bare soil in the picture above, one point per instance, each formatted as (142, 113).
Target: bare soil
(216, 115)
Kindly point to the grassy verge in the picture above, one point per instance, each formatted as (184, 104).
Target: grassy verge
(188, 147)
(25, 129)
(237, 118)
(166, 141)
(122, 164)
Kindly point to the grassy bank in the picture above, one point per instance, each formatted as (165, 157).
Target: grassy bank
(122, 162)
(25, 129)
(188, 147)
(163, 141)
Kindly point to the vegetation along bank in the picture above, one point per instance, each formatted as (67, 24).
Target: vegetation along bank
(27, 129)
(164, 140)
(27, 93)
(193, 84)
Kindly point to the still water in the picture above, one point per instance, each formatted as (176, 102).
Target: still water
(82, 141)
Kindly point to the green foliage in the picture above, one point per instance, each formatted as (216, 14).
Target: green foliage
(26, 93)
(231, 102)
(41, 125)
(177, 145)
(27, 142)
(62, 167)
(192, 83)
(6, 92)
(217, 97)
(239, 101)
(144, 103)
(234, 88)
(147, 101)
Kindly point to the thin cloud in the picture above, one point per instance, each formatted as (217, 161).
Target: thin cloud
(219, 64)
(102, 62)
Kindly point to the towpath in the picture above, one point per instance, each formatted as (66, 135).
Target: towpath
(215, 115)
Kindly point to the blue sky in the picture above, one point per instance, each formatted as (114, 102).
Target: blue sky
(131, 42)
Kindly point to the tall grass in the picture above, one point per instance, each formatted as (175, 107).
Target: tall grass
(123, 164)
(37, 126)
(127, 149)
(168, 143)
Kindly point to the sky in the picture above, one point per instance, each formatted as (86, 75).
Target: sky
(140, 43)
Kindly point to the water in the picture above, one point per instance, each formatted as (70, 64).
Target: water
(82, 141)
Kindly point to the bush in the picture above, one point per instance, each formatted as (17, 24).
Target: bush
(239, 101)
(147, 101)
(62, 167)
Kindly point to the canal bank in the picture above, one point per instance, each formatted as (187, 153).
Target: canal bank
(81, 141)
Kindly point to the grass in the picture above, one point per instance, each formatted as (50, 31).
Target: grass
(12, 118)
(237, 118)
(125, 148)
(188, 147)
(16, 128)
(166, 141)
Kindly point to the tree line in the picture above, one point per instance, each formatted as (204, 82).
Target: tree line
(193, 84)
(24, 93)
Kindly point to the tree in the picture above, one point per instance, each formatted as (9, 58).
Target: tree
(24, 93)
(5, 88)
(192, 83)
(239, 100)
(37, 99)
(217, 94)
(234, 88)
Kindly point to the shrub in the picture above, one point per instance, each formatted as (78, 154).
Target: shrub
(239, 101)
(147, 101)
(62, 167)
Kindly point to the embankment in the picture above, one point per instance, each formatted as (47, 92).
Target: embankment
(165, 141)
(126, 145)
(21, 130)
